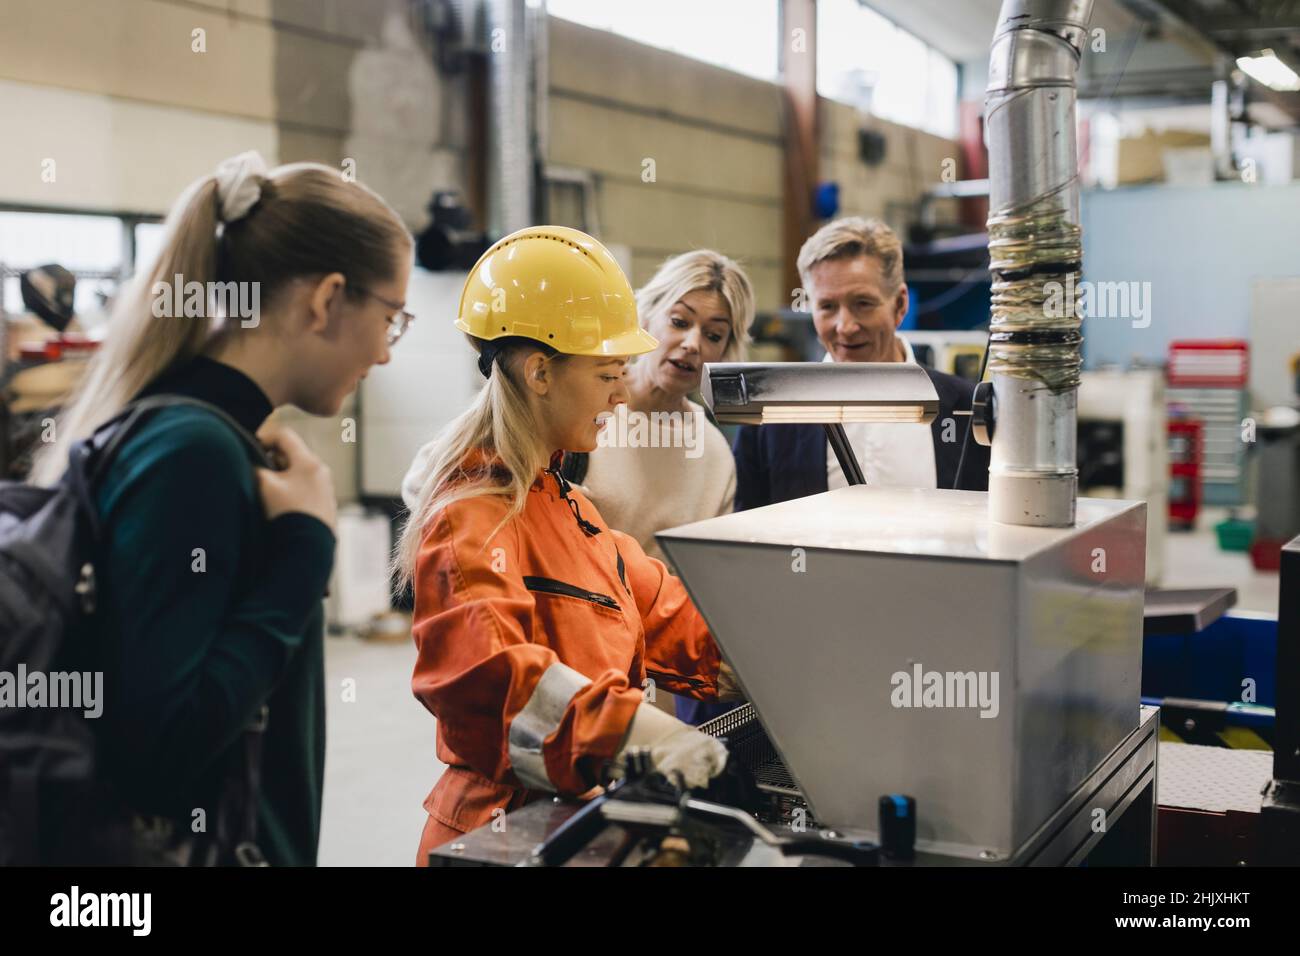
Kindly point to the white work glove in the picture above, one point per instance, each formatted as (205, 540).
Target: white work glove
(679, 751)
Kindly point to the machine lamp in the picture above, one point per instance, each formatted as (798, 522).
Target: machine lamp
(827, 393)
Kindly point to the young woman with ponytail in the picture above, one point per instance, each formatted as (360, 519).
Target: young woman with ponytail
(210, 580)
(541, 631)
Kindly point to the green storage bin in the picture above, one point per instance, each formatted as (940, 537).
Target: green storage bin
(1235, 534)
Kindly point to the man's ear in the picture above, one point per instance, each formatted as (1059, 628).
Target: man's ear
(537, 373)
(324, 301)
(900, 305)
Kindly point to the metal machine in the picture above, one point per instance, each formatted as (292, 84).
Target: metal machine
(899, 641)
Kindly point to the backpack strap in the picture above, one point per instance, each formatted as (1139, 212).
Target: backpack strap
(89, 459)
(105, 443)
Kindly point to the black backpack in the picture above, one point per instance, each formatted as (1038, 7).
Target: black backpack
(53, 806)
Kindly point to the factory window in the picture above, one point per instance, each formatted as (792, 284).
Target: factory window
(739, 35)
(90, 246)
(93, 247)
(866, 61)
(148, 243)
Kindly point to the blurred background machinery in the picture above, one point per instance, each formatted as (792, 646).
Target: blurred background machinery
(1123, 448)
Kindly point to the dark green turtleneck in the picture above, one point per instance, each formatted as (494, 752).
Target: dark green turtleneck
(207, 611)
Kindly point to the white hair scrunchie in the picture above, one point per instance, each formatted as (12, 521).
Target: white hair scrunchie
(239, 184)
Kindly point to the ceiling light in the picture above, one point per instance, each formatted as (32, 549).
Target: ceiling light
(1269, 70)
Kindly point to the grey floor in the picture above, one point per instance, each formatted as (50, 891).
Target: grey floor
(380, 762)
(1193, 559)
(379, 759)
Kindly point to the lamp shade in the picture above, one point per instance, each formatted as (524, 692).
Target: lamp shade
(764, 393)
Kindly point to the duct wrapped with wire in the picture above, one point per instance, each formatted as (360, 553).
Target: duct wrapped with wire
(1035, 253)
(1034, 325)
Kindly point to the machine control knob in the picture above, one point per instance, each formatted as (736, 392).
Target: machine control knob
(983, 413)
(898, 826)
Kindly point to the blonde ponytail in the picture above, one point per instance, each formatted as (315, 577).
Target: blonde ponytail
(500, 423)
(304, 219)
(140, 346)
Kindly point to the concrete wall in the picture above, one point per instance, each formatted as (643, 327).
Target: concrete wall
(714, 137)
(107, 87)
(716, 141)
(914, 161)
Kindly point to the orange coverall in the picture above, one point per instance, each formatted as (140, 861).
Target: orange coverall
(533, 647)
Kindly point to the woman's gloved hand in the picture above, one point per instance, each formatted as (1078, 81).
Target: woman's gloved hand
(679, 751)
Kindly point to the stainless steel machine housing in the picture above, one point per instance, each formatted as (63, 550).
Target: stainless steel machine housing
(819, 602)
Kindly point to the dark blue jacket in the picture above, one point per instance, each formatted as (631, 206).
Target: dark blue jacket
(780, 462)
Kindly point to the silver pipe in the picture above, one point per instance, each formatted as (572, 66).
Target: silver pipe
(1035, 253)
(539, 27)
(510, 185)
(1221, 130)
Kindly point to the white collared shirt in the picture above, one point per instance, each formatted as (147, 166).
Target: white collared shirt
(891, 455)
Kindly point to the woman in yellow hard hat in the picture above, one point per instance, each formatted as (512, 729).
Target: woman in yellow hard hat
(537, 625)
(660, 463)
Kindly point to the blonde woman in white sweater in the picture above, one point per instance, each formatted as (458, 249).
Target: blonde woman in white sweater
(660, 462)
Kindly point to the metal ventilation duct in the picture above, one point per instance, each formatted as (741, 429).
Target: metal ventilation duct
(510, 147)
(1034, 240)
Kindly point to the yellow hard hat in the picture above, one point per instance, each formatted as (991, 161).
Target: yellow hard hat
(558, 286)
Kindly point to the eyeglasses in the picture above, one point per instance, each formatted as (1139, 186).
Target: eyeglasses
(398, 322)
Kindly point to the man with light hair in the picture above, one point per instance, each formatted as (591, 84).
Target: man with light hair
(852, 275)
